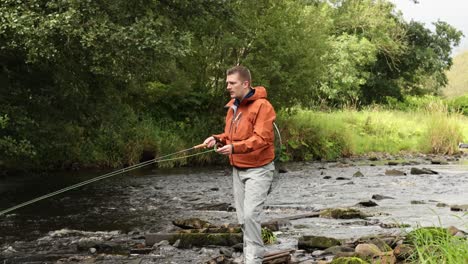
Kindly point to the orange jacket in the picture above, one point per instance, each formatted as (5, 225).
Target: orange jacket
(250, 131)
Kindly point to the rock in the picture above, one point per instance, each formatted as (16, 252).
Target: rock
(327, 177)
(383, 243)
(393, 163)
(9, 250)
(214, 189)
(177, 243)
(459, 208)
(439, 161)
(226, 251)
(317, 242)
(191, 223)
(92, 250)
(358, 174)
(348, 260)
(442, 205)
(417, 202)
(403, 251)
(417, 171)
(161, 243)
(198, 239)
(225, 207)
(282, 170)
(379, 197)
(393, 225)
(368, 203)
(239, 247)
(342, 179)
(338, 249)
(384, 258)
(454, 231)
(367, 250)
(394, 172)
(342, 213)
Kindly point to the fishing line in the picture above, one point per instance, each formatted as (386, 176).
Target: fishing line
(111, 174)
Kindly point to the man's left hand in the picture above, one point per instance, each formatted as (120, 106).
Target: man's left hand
(225, 150)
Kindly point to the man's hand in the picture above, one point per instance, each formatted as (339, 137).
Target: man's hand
(210, 142)
(225, 150)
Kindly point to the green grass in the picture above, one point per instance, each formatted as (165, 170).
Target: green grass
(437, 246)
(457, 77)
(327, 135)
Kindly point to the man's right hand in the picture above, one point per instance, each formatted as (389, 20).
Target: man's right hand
(210, 142)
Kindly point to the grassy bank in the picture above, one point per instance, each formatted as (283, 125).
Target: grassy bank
(328, 135)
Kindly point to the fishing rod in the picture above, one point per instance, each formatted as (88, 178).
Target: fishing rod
(113, 173)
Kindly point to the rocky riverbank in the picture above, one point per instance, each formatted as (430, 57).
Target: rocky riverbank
(374, 198)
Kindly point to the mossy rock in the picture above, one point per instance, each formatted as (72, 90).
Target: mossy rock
(342, 213)
(317, 242)
(349, 260)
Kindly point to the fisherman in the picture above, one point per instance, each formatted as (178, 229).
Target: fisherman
(248, 140)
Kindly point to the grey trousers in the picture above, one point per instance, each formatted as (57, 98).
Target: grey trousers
(250, 192)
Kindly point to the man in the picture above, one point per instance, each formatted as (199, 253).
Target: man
(248, 139)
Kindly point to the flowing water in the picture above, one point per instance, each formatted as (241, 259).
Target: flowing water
(149, 199)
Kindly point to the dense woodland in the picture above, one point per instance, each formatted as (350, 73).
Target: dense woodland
(100, 83)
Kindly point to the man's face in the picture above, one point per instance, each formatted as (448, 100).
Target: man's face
(236, 87)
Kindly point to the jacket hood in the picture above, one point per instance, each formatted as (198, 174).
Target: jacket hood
(260, 92)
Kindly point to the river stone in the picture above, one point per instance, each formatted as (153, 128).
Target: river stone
(439, 162)
(358, 174)
(317, 242)
(379, 197)
(403, 251)
(342, 213)
(342, 179)
(348, 260)
(367, 250)
(335, 250)
(191, 223)
(385, 258)
(417, 202)
(394, 172)
(441, 205)
(458, 208)
(226, 251)
(368, 203)
(417, 171)
(327, 177)
(393, 163)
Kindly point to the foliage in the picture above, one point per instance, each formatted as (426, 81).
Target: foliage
(268, 236)
(444, 130)
(457, 79)
(459, 105)
(436, 245)
(101, 83)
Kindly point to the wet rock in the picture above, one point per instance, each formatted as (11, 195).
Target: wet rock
(92, 250)
(393, 225)
(368, 203)
(161, 243)
(191, 223)
(442, 205)
(317, 242)
(197, 240)
(177, 243)
(327, 177)
(239, 247)
(379, 197)
(455, 231)
(417, 171)
(342, 179)
(282, 170)
(367, 250)
(9, 250)
(342, 213)
(225, 207)
(403, 251)
(358, 174)
(335, 250)
(348, 260)
(226, 251)
(392, 163)
(459, 208)
(384, 258)
(417, 202)
(394, 172)
(214, 189)
(439, 161)
(384, 243)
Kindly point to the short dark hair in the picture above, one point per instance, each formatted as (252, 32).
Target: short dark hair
(243, 71)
